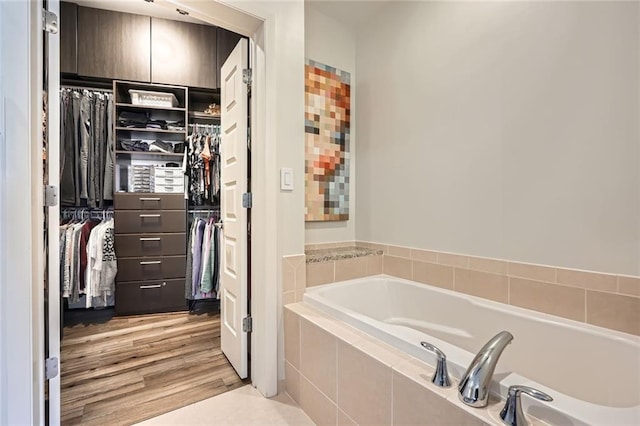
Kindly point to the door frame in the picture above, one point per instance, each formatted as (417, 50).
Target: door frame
(21, 214)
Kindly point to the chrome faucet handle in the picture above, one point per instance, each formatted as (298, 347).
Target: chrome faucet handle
(441, 375)
(512, 413)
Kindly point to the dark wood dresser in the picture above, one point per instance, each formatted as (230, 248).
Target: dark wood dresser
(151, 246)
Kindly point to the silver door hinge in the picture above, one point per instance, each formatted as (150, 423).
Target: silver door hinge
(49, 22)
(246, 76)
(51, 367)
(247, 200)
(247, 324)
(50, 195)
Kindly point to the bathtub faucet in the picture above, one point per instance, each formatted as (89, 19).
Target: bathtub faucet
(473, 389)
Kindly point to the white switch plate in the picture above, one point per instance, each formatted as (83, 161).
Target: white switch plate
(286, 179)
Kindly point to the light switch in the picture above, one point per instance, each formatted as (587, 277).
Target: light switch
(286, 179)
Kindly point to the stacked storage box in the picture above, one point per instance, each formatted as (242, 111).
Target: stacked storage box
(168, 180)
(140, 178)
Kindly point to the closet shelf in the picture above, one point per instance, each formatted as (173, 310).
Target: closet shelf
(150, 153)
(202, 115)
(134, 129)
(139, 107)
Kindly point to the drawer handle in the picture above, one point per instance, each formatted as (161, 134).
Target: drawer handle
(153, 286)
(143, 216)
(150, 239)
(151, 262)
(149, 199)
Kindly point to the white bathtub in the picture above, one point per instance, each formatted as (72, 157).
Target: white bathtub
(592, 373)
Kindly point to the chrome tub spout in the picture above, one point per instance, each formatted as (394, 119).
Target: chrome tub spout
(473, 389)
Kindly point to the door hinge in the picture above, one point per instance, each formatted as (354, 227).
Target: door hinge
(246, 76)
(51, 367)
(247, 200)
(49, 22)
(50, 195)
(247, 324)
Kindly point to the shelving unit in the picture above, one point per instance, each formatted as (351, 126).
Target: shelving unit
(150, 154)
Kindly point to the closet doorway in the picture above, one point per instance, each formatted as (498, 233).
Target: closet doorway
(144, 196)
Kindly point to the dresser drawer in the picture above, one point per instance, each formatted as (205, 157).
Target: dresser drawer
(151, 245)
(142, 222)
(137, 201)
(150, 297)
(151, 268)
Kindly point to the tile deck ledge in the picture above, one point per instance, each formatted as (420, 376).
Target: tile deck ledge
(331, 254)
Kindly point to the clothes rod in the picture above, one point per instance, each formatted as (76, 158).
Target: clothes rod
(93, 89)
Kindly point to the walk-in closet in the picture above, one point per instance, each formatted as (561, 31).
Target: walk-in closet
(140, 226)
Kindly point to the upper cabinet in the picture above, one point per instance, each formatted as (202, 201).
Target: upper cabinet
(113, 45)
(183, 54)
(68, 30)
(227, 41)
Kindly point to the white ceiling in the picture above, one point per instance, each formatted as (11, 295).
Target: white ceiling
(355, 13)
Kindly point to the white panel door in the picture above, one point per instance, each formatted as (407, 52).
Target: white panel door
(234, 161)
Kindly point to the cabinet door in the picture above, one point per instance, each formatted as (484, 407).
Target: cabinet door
(113, 45)
(227, 41)
(183, 54)
(68, 31)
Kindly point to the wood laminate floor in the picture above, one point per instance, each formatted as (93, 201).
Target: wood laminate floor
(128, 369)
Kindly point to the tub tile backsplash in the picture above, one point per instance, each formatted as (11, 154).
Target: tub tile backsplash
(563, 301)
(556, 291)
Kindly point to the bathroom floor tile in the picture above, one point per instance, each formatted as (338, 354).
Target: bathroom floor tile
(243, 406)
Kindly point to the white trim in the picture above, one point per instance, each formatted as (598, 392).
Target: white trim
(22, 371)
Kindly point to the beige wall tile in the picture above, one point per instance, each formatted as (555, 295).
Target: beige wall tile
(488, 265)
(320, 273)
(453, 260)
(348, 269)
(318, 357)
(397, 266)
(374, 265)
(301, 275)
(292, 337)
(292, 381)
(588, 280)
(532, 272)
(414, 404)
(433, 274)
(424, 255)
(316, 405)
(554, 299)
(295, 259)
(289, 297)
(344, 420)
(377, 246)
(365, 387)
(629, 285)
(398, 251)
(299, 295)
(340, 244)
(288, 276)
(381, 352)
(615, 311)
(482, 284)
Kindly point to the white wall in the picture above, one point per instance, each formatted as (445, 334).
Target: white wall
(502, 129)
(333, 43)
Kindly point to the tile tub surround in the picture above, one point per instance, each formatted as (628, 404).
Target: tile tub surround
(294, 278)
(344, 376)
(328, 263)
(606, 300)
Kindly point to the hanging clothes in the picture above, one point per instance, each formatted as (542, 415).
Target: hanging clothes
(203, 265)
(87, 152)
(88, 263)
(201, 165)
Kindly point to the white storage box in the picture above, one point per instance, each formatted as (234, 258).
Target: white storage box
(169, 189)
(148, 98)
(166, 172)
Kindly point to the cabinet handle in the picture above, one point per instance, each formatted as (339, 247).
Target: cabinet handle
(151, 262)
(152, 286)
(142, 216)
(149, 198)
(150, 239)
